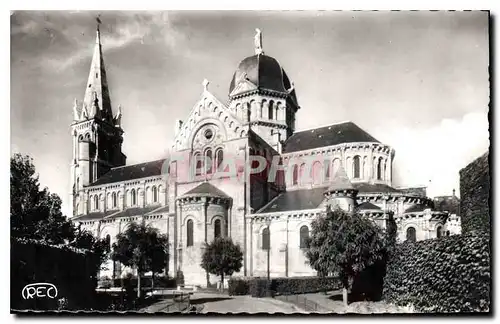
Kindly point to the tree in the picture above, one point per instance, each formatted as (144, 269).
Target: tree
(35, 213)
(222, 257)
(344, 244)
(141, 247)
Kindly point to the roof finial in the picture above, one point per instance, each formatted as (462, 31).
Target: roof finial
(258, 42)
(98, 33)
(205, 84)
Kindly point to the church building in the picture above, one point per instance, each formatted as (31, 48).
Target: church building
(212, 183)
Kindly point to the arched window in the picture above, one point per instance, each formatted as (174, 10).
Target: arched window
(379, 169)
(189, 233)
(113, 199)
(132, 197)
(302, 170)
(217, 228)
(356, 166)
(208, 161)
(108, 241)
(439, 231)
(219, 157)
(385, 170)
(335, 167)
(304, 236)
(266, 239)
(96, 202)
(447, 233)
(270, 110)
(295, 174)
(198, 163)
(261, 109)
(327, 169)
(411, 234)
(155, 194)
(316, 173)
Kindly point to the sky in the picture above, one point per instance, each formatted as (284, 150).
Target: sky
(417, 81)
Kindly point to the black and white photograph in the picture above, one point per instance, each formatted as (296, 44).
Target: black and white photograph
(200, 162)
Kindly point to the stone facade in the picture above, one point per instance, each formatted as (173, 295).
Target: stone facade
(211, 184)
(475, 195)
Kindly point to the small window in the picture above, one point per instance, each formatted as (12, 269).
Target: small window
(295, 174)
(356, 162)
(270, 110)
(189, 233)
(108, 241)
(217, 228)
(379, 169)
(220, 157)
(96, 202)
(208, 161)
(439, 232)
(133, 197)
(97, 75)
(411, 234)
(155, 194)
(304, 236)
(266, 239)
(113, 197)
(199, 164)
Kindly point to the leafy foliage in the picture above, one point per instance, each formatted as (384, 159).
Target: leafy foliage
(35, 213)
(222, 257)
(142, 247)
(282, 286)
(71, 270)
(449, 274)
(345, 244)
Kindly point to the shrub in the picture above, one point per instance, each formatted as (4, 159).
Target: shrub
(238, 286)
(449, 274)
(71, 270)
(304, 285)
(259, 287)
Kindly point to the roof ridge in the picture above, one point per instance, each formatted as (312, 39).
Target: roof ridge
(323, 126)
(124, 166)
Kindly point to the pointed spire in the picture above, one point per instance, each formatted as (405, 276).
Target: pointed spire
(97, 86)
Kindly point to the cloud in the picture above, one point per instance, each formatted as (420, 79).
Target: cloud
(433, 156)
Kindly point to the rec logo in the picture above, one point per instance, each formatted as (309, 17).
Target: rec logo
(39, 290)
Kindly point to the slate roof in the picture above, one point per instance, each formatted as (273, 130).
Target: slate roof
(93, 216)
(364, 187)
(161, 210)
(206, 189)
(263, 71)
(131, 172)
(335, 134)
(416, 208)
(135, 211)
(296, 200)
(368, 206)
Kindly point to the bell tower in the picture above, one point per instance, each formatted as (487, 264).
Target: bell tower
(97, 135)
(262, 95)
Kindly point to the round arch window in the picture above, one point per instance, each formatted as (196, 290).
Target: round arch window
(209, 134)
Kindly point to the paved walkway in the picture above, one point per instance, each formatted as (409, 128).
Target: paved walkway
(217, 303)
(364, 307)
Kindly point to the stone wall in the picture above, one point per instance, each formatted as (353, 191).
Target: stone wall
(474, 195)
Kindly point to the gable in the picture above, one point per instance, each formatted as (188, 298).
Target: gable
(209, 110)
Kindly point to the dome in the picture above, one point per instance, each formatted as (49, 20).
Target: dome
(263, 71)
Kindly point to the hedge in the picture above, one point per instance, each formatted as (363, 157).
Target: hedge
(449, 274)
(475, 196)
(259, 287)
(72, 271)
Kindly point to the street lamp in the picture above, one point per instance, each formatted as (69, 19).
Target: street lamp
(268, 223)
